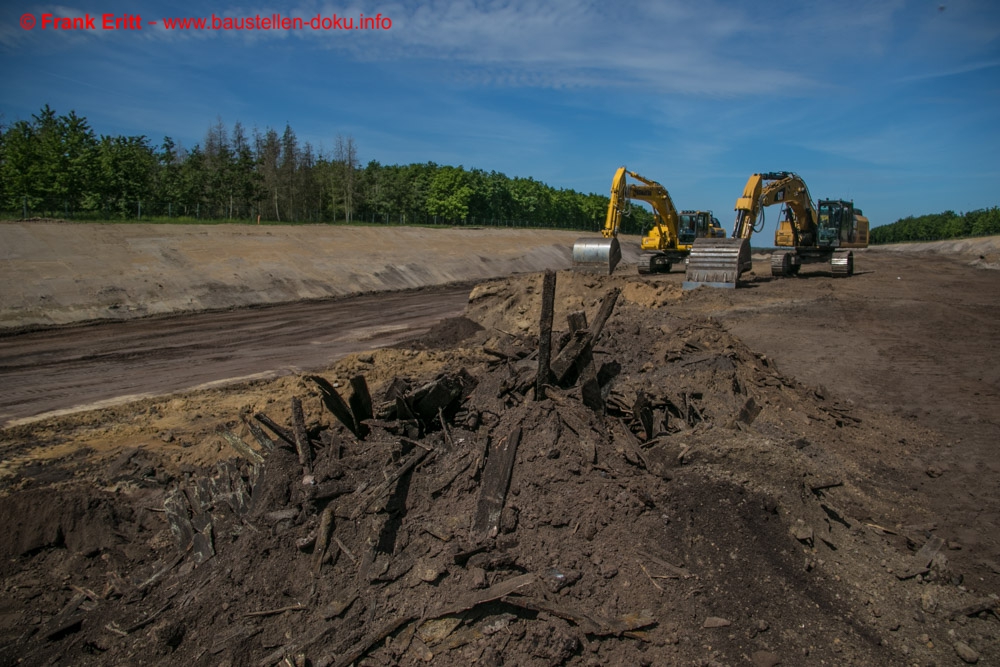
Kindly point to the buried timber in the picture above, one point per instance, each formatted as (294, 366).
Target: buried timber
(652, 492)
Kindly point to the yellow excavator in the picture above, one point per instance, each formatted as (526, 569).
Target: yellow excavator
(805, 235)
(669, 240)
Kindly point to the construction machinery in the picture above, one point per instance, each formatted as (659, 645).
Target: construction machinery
(805, 234)
(669, 240)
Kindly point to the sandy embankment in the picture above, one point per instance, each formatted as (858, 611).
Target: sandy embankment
(57, 272)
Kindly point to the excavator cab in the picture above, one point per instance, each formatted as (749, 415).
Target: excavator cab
(836, 218)
(691, 222)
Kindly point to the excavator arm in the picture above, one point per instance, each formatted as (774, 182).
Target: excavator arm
(799, 225)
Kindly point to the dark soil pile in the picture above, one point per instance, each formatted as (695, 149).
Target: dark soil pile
(708, 511)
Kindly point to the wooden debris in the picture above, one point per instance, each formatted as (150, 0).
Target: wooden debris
(566, 361)
(494, 592)
(335, 403)
(361, 404)
(322, 538)
(580, 344)
(275, 612)
(302, 444)
(496, 481)
(241, 447)
(257, 432)
(277, 430)
(604, 312)
(415, 457)
(545, 333)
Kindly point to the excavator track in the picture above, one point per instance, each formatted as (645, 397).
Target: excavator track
(655, 263)
(842, 264)
(717, 262)
(784, 263)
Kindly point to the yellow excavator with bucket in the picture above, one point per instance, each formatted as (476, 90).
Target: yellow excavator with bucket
(669, 240)
(805, 234)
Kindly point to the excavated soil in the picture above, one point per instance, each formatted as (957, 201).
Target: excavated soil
(685, 499)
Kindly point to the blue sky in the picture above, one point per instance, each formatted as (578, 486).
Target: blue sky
(893, 103)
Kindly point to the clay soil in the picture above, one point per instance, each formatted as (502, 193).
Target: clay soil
(802, 471)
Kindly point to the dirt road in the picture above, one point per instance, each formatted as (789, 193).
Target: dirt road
(112, 362)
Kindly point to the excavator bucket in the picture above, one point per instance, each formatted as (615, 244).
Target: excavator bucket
(717, 262)
(599, 254)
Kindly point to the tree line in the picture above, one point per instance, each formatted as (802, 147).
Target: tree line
(939, 226)
(56, 165)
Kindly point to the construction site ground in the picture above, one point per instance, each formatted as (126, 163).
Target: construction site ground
(802, 471)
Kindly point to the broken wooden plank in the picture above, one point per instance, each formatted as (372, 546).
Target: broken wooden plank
(360, 403)
(494, 592)
(335, 403)
(302, 444)
(241, 447)
(604, 312)
(586, 370)
(545, 333)
(566, 360)
(257, 432)
(577, 320)
(322, 538)
(287, 437)
(415, 457)
(496, 481)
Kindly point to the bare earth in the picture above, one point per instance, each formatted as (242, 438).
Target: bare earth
(817, 483)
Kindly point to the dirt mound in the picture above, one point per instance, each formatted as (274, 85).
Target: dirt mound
(672, 499)
(136, 270)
